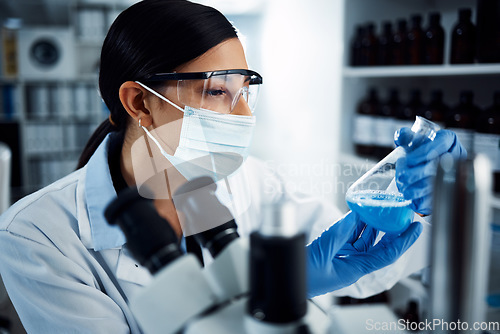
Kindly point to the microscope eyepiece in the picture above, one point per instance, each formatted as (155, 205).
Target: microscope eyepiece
(150, 238)
(206, 215)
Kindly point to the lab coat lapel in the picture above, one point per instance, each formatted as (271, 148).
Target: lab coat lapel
(129, 270)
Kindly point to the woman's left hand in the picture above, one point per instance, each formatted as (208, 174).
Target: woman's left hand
(340, 255)
(415, 172)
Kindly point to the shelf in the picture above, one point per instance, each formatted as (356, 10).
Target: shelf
(421, 70)
(83, 77)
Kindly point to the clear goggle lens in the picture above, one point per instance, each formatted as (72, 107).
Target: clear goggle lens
(220, 93)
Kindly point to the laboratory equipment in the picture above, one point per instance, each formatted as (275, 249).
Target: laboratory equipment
(487, 137)
(434, 40)
(460, 240)
(462, 118)
(240, 291)
(5, 171)
(375, 196)
(463, 39)
(416, 40)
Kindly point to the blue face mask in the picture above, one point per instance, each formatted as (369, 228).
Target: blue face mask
(211, 144)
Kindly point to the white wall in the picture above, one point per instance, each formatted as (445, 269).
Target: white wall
(297, 47)
(298, 115)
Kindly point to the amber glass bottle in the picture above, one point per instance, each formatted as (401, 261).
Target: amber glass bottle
(416, 41)
(487, 138)
(436, 110)
(363, 137)
(356, 46)
(369, 46)
(400, 44)
(463, 39)
(415, 106)
(488, 31)
(385, 44)
(462, 119)
(385, 124)
(434, 40)
(405, 116)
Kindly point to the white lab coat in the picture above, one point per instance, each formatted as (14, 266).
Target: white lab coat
(49, 241)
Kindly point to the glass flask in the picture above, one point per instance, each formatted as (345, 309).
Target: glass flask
(375, 196)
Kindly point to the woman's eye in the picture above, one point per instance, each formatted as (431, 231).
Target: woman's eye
(215, 92)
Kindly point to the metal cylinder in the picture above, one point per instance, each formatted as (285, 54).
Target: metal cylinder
(460, 242)
(277, 268)
(5, 171)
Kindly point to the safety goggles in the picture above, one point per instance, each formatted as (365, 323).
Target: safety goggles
(218, 91)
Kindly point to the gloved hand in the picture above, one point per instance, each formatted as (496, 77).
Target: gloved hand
(415, 171)
(361, 239)
(338, 258)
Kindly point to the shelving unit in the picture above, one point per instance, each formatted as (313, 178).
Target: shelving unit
(482, 79)
(422, 71)
(52, 117)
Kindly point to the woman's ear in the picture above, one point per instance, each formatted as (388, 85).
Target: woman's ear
(132, 98)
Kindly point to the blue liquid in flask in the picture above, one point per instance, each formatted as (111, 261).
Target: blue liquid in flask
(387, 212)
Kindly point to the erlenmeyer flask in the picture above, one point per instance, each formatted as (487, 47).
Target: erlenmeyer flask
(375, 196)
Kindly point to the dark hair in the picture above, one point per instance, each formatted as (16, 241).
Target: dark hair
(152, 36)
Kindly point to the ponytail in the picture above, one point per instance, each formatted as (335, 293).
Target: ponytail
(94, 141)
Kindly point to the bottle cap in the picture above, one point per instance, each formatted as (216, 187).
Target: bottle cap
(402, 24)
(464, 14)
(437, 95)
(415, 94)
(387, 26)
(416, 20)
(466, 96)
(13, 23)
(394, 94)
(434, 18)
(496, 97)
(373, 93)
(359, 30)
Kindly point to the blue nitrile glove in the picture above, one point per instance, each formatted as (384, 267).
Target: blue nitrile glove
(327, 271)
(415, 171)
(360, 240)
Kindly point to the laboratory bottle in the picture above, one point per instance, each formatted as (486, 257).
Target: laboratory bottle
(385, 44)
(9, 47)
(436, 110)
(434, 40)
(356, 46)
(385, 124)
(487, 137)
(369, 46)
(375, 196)
(461, 119)
(405, 116)
(416, 41)
(363, 136)
(463, 39)
(400, 44)
(488, 31)
(415, 106)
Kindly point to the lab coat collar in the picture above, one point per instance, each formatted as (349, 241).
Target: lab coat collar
(99, 192)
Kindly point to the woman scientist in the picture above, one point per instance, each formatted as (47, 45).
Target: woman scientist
(179, 66)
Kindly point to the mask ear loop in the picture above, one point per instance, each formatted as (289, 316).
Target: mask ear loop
(159, 95)
(153, 139)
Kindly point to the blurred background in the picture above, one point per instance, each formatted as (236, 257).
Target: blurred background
(339, 77)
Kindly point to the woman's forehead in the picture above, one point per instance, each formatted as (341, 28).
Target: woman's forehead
(224, 56)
